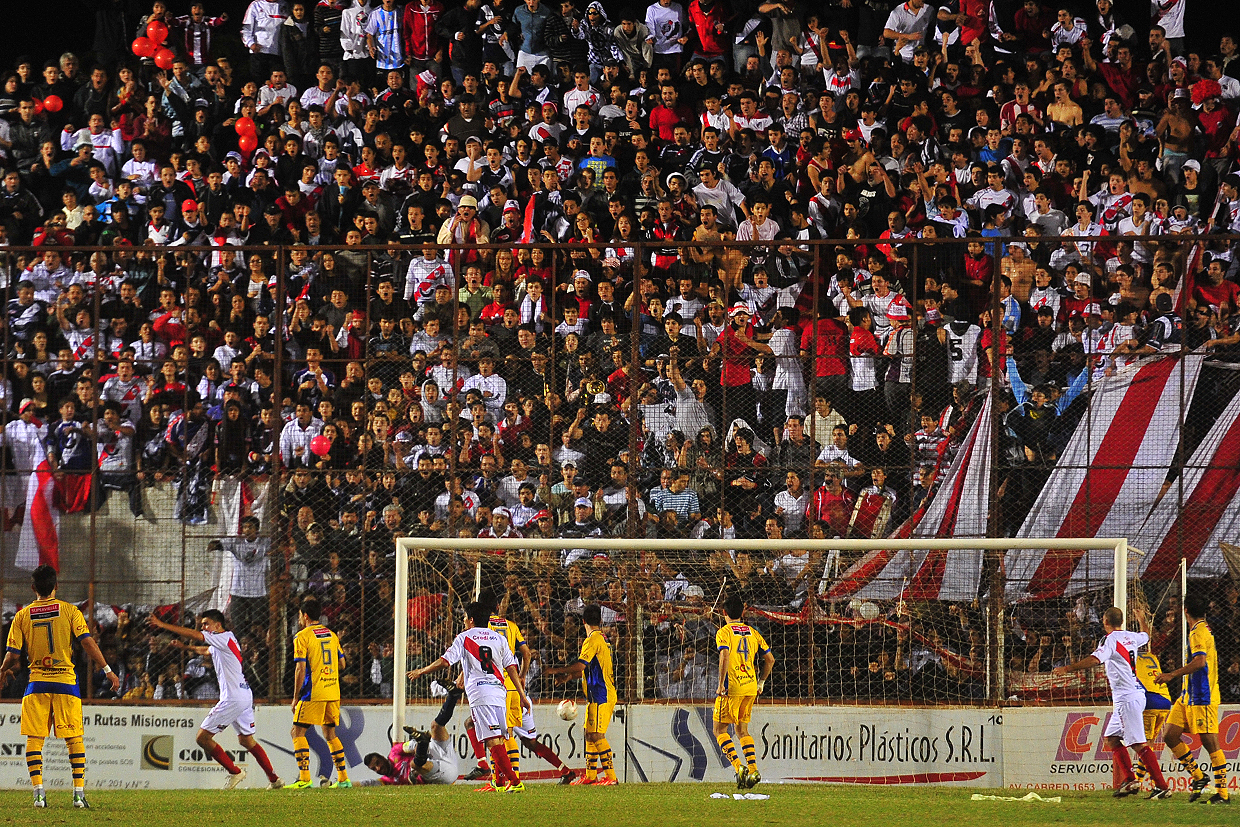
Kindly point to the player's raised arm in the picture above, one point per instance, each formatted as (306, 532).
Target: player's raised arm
(183, 631)
(1197, 663)
(439, 663)
(1084, 663)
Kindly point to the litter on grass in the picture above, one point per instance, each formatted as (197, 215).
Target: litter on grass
(741, 797)
(1054, 799)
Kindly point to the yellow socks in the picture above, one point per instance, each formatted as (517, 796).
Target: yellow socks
(342, 767)
(1181, 752)
(34, 760)
(301, 751)
(750, 754)
(729, 750)
(606, 758)
(77, 760)
(514, 755)
(1219, 762)
(591, 761)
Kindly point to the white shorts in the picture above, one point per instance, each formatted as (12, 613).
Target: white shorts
(527, 729)
(236, 714)
(445, 764)
(489, 721)
(1127, 721)
(530, 60)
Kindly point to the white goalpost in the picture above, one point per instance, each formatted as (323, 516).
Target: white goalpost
(407, 545)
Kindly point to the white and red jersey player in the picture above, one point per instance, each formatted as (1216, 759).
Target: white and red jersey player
(1118, 655)
(235, 707)
(484, 655)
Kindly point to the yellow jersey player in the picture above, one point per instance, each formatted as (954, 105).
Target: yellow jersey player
(521, 726)
(1157, 698)
(1196, 710)
(316, 701)
(44, 631)
(739, 647)
(598, 682)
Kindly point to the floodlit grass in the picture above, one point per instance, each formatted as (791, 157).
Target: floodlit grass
(633, 805)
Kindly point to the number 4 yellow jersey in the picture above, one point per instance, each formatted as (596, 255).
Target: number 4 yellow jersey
(45, 631)
(319, 648)
(511, 633)
(746, 645)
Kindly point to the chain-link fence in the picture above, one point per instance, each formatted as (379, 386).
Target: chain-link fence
(799, 388)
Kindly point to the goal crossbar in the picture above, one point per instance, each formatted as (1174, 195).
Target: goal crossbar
(404, 545)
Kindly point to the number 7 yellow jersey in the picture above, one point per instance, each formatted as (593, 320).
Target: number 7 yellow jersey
(319, 648)
(45, 631)
(746, 645)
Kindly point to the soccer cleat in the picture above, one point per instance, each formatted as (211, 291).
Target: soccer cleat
(607, 782)
(487, 788)
(275, 785)
(40, 800)
(234, 780)
(342, 785)
(1126, 789)
(754, 779)
(1159, 794)
(324, 782)
(415, 733)
(1196, 787)
(79, 802)
(476, 773)
(299, 785)
(568, 777)
(581, 780)
(742, 778)
(519, 787)
(1218, 799)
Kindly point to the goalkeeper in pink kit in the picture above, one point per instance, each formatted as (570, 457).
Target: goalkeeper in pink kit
(426, 758)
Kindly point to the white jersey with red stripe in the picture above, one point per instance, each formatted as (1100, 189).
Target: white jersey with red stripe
(226, 657)
(1118, 655)
(483, 656)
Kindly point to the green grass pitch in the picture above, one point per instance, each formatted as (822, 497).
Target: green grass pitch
(633, 805)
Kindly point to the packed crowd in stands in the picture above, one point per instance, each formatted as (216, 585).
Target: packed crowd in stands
(321, 271)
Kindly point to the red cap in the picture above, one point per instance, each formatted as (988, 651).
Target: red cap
(189, 204)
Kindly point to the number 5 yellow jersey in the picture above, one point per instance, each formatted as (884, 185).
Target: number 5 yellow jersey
(45, 631)
(746, 645)
(319, 648)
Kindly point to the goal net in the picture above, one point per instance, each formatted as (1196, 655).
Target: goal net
(849, 621)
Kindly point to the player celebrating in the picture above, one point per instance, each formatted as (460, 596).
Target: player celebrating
(1117, 653)
(1196, 710)
(427, 757)
(235, 707)
(45, 631)
(739, 646)
(598, 683)
(316, 651)
(485, 657)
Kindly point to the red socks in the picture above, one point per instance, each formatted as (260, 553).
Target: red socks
(479, 751)
(260, 755)
(1121, 761)
(1150, 762)
(503, 767)
(227, 763)
(544, 752)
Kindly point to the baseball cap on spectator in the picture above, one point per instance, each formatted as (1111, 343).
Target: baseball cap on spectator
(511, 206)
(738, 309)
(853, 134)
(582, 274)
(189, 205)
(1083, 278)
(583, 502)
(501, 511)
(543, 515)
(473, 139)
(1162, 303)
(468, 201)
(1195, 166)
(235, 156)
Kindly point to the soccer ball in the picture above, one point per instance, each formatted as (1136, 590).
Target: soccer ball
(567, 710)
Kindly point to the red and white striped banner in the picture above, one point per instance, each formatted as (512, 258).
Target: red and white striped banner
(1108, 477)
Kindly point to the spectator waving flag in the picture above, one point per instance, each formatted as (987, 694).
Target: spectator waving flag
(39, 542)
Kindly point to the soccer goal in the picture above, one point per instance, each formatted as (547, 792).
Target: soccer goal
(853, 582)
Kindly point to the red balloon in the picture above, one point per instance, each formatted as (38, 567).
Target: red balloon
(163, 58)
(142, 47)
(156, 31)
(321, 446)
(246, 126)
(247, 143)
(53, 103)
(38, 106)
